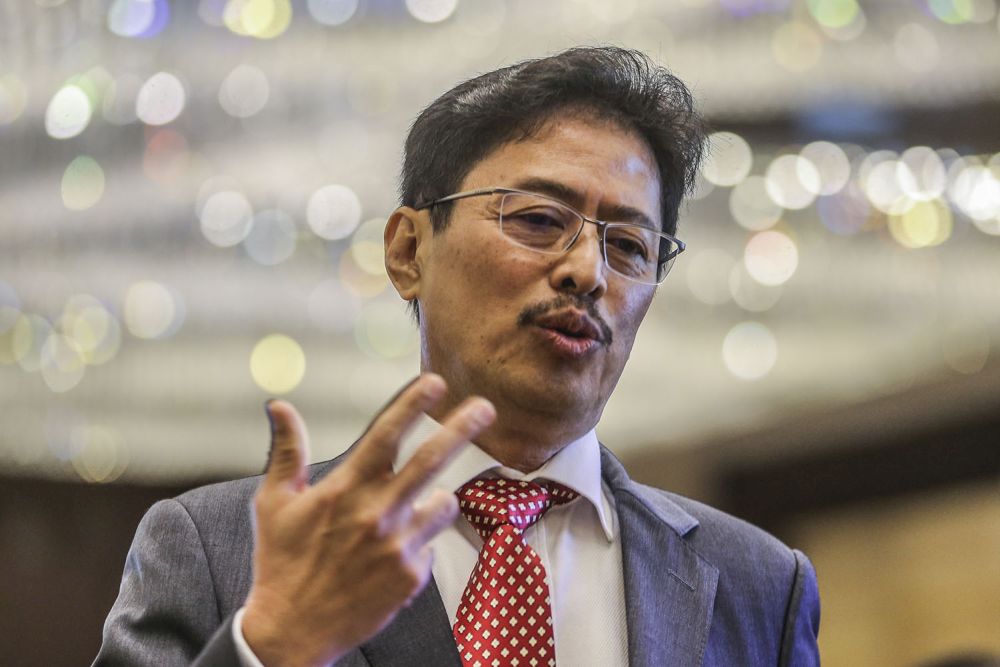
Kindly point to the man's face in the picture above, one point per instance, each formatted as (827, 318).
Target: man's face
(503, 321)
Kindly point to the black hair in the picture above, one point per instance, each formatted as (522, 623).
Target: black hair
(467, 123)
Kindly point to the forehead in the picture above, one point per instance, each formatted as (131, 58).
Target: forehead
(596, 161)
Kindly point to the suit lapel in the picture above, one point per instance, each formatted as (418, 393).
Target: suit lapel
(669, 588)
(420, 635)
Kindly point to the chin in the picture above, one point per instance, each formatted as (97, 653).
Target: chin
(556, 393)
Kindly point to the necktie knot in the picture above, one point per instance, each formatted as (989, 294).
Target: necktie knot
(490, 503)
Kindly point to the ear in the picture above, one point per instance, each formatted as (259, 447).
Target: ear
(406, 238)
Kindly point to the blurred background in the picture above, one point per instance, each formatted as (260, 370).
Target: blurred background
(192, 197)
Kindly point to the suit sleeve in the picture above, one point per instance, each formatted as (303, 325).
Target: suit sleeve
(799, 646)
(166, 612)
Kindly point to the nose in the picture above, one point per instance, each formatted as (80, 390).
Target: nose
(581, 269)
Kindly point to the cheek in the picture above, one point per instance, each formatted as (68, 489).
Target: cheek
(633, 312)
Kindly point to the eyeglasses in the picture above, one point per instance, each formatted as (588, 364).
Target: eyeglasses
(543, 224)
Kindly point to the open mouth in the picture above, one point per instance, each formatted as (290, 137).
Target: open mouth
(570, 334)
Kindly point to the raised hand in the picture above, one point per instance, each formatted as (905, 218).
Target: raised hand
(334, 562)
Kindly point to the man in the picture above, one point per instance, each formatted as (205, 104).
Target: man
(539, 204)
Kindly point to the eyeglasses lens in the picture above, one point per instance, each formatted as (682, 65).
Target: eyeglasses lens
(546, 225)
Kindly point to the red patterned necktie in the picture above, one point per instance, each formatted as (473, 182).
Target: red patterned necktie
(505, 617)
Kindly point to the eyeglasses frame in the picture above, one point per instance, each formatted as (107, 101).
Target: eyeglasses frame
(601, 225)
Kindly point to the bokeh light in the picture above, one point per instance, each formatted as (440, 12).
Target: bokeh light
(152, 310)
(796, 46)
(10, 306)
(7, 335)
(922, 174)
(750, 294)
(702, 187)
(263, 19)
(82, 183)
(244, 91)
(68, 113)
(771, 257)
(957, 12)
(792, 181)
(749, 350)
(834, 13)
(610, 13)
(751, 206)
(13, 98)
(364, 282)
(277, 364)
(431, 11)
(332, 12)
(924, 224)
(333, 212)
(707, 274)
(99, 453)
(61, 363)
(367, 246)
(226, 218)
(167, 157)
(728, 160)
(886, 184)
(161, 99)
(93, 329)
(31, 331)
(138, 18)
(845, 32)
(976, 191)
(10, 316)
(966, 346)
(846, 212)
(272, 238)
(384, 331)
(832, 166)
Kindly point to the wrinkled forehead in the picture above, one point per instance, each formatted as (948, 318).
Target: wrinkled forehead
(639, 161)
(577, 157)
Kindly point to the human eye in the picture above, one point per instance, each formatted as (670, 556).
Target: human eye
(628, 244)
(541, 217)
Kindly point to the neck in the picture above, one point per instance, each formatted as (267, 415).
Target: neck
(518, 440)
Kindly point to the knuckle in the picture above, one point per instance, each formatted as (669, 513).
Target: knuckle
(371, 524)
(385, 431)
(283, 456)
(393, 554)
(261, 502)
(413, 577)
(331, 493)
(426, 458)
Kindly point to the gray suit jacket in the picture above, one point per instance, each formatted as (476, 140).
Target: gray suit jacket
(701, 587)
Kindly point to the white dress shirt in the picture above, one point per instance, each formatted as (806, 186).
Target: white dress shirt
(579, 544)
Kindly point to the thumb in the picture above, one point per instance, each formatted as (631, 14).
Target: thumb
(289, 454)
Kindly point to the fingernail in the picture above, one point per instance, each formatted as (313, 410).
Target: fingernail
(483, 412)
(433, 386)
(270, 417)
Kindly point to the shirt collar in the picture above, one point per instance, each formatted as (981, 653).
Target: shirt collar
(577, 465)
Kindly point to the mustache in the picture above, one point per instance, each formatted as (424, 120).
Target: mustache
(531, 314)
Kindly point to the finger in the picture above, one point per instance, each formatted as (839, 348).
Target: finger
(463, 424)
(432, 516)
(379, 445)
(423, 562)
(286, 468)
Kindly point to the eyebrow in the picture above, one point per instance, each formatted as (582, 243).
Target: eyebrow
(573, 197)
